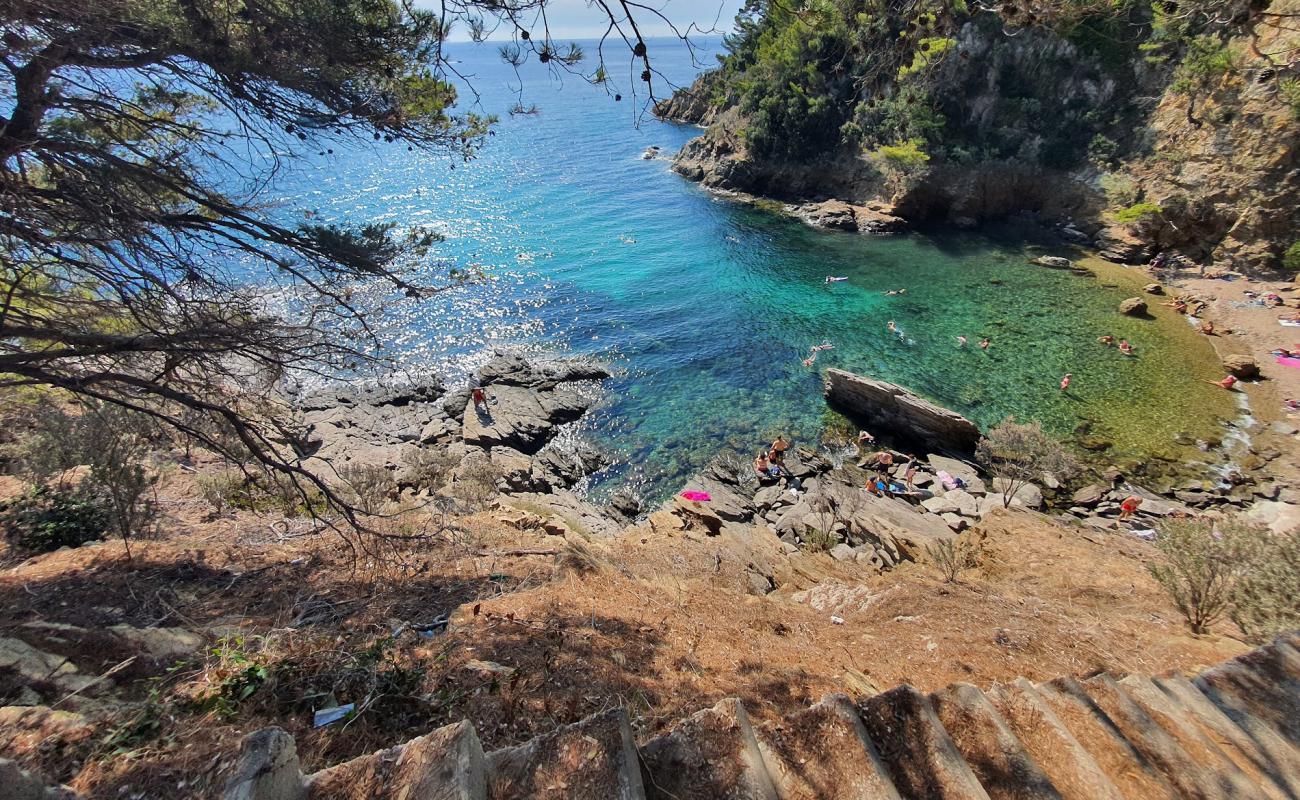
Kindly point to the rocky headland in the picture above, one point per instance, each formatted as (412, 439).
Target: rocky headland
(1072, 122)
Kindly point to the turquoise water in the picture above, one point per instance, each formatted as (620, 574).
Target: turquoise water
(707, 307)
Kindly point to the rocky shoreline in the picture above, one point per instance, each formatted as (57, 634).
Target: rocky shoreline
(431, 439)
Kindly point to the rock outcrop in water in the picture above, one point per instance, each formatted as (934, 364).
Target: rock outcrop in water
(891, 408)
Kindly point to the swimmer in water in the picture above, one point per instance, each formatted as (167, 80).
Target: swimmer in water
(984, 343)
(1228, 382)
(808, 362)
(961, 341)
(1065, 382)
(891, 327)
(1107, 340)
(1125, 347)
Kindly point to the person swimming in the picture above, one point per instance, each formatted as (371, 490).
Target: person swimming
(984, 343)
(891, 327)
(1107, 340)
(961, 341)
(1125, 347)
(836, 279)
(825, 345)
(1228, 382)
(1065, 382)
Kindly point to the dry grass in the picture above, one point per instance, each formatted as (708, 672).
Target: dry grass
(658, 621)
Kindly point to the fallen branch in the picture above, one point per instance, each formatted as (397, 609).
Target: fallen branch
(523, 551)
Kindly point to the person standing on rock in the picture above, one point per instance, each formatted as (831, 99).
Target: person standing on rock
(480, 398)
(777, 455)
(909, 473)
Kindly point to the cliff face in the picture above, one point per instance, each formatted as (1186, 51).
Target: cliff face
(1080, 125)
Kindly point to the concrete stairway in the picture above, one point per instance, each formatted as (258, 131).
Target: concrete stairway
(1232, 733)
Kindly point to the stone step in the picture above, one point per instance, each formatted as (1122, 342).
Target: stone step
(1129, 770)
(1212, 752)
(713, 754)
(267, 768)
(447, 764)
(1263, 745)
(922, 760)
(1192, 774)
(1264, 683)
(1075, 774)
(588, 760)
(1000, 762)
(823, 753)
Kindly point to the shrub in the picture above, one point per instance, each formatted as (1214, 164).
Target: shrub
(1291, 258)
(1137, 212)
(46, 519)
(953, 557)
(114, 443)
(1289, 91)
(475, 483)
(1120, 190)
(1022, 453)
(220, 489)
(905, 156)
(427, 468)
(1202, 562)
(1266, 601)
(370, 485)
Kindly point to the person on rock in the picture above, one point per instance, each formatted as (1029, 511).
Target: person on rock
(1228, 382)
(777, 454)
(764, 468)
(909, 473)
(1129, 507)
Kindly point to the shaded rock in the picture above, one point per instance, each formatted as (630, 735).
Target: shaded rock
(956, 522)
(1241, 366)
(887, 406)
(1133, 307)
(1153, 288)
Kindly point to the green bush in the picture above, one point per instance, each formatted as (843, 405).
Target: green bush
(45, 519)
(1120, 190)
(1137, 212)
(1266, 601)
(1203, 560)
(1291, 258)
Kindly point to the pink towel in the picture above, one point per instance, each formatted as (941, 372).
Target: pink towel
(697, 497)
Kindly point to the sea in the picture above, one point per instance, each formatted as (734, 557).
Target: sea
(707, 308)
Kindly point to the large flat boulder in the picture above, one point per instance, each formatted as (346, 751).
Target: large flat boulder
(888, 406)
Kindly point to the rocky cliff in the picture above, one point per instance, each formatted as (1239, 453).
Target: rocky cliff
(1146, 135)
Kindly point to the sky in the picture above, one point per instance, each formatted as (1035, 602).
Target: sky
(575, 19)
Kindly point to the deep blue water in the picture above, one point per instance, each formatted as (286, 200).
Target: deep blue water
(707, 307)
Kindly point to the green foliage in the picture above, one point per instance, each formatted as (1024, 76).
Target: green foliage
(1291, 258)
(1202, 562)
(1204, 65)
(235, 672)
(1288, 89)
(1102, 151)
(1120, 190)
(929, 50)
(44, 519)
(1266, 600)
(818, 541)
(1137, 212)
(906, 156)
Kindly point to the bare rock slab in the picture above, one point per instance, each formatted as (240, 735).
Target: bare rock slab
(891, 407)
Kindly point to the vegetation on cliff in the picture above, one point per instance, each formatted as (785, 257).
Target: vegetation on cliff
(894, 92)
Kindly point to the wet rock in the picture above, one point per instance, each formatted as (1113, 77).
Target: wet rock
(1133, 307)
(890, 407)
(1054, 262)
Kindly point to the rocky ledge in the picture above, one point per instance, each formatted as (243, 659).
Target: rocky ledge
(890, 407)
(423, 433)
